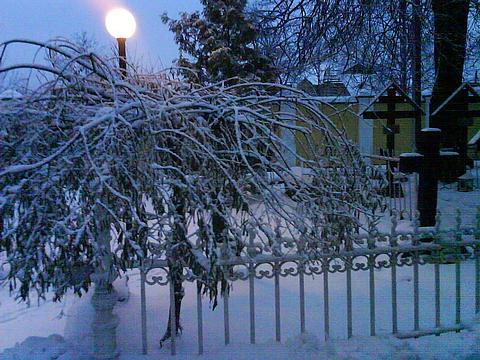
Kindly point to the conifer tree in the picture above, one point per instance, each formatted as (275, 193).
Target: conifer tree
(218, 43)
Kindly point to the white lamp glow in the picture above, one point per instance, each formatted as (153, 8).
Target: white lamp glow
(120, 23)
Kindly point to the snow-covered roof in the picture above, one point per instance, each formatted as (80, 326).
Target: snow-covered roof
(475, 138)
(10, 94)
(410, 154)
(449, 153)
(398, 89)
(466, 176)
(361, 84)
(465, 85)
(343, 85)
(336, 99)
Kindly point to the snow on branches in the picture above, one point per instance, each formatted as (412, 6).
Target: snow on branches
(181, 172)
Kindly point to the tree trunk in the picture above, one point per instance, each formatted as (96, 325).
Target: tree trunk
(417, 65)
(178, 293)
(402, 9)
(451, 22)
(176, 269)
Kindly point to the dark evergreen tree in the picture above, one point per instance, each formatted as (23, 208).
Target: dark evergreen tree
(218, 43)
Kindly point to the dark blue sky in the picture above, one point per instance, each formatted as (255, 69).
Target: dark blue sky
(152, 44)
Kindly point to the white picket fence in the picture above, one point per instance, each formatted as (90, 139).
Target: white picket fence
(372, 252)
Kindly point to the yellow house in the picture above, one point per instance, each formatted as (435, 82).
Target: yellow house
(345, 111)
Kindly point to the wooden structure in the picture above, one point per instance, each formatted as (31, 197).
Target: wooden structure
(428, 163)
(465, 183)
(392, 96)
(454, 117)
(474, 146)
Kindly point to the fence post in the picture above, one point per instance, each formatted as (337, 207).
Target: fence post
(276, 271)
(477, 264)
(437, 260)
(416, 290)
(393, 261)
(173, 323)
(348, 265)
(301, 275)
(326, 309)
(371, 265)
(143, 301)
(225, 254)
(251, 283)
(458, 292)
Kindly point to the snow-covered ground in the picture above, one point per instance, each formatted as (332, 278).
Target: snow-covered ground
(449, 201)
(74, 324)
(28, 332)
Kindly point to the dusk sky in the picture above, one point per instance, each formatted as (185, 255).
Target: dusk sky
(152, 43)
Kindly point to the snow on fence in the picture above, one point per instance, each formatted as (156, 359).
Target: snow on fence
(373, 251)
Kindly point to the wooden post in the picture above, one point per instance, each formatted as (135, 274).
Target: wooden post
(391, 138)
(391, 96)
(391, 122)
(428, 164)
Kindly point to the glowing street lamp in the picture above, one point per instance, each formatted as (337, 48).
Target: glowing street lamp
(121, 24)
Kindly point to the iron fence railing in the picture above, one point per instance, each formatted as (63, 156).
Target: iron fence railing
(373, 251)
(398, 189)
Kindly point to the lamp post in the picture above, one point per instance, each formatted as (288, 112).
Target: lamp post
(121, 24)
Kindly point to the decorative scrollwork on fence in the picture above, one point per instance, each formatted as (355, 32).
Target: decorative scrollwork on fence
(404, 259)
(290, 268)
(237, 272)
(157, 275)
(381, 261)
(372, 250)
(360, 262)
(335, 264)
(313, 268)
(264, 270)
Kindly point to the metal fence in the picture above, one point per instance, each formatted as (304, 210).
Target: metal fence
(398, 189)
(373, 251)
(405, 190)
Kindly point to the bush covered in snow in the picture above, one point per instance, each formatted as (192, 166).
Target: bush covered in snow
(168, 172)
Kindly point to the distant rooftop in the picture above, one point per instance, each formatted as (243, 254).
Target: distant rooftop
(10, 94)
